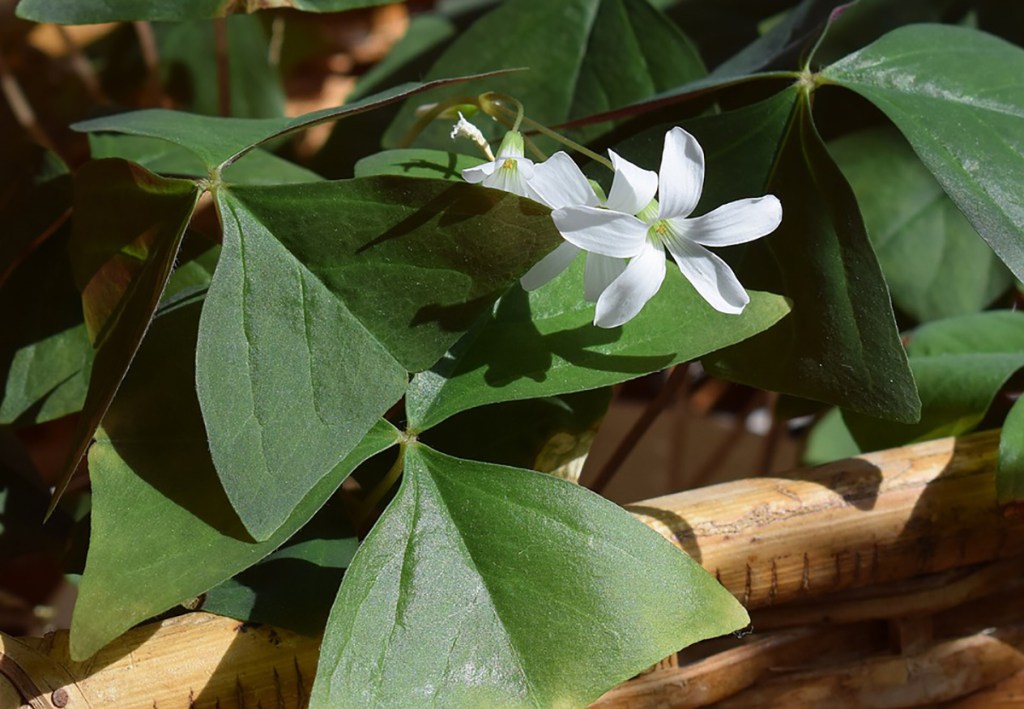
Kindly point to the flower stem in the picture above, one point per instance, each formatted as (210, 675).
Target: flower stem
(492, 102)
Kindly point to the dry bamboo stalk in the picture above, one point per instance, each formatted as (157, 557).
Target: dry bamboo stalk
(1007, 693)
(918, 596)
(868, 520)
(726, 673)
(769, 540)
(198, 660)
(944, 672)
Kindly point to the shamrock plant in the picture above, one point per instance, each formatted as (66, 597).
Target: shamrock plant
(285, 375)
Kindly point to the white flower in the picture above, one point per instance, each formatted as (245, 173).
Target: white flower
(558, 182)
(509, 171)
(666, 223)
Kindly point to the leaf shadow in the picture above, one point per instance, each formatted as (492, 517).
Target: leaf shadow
(158, 429)
(444, 172)
(452, 205)
(682, 534)
(514, 330)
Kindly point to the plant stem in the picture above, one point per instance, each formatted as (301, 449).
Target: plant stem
(381, 489)
(81, 66)
(633, 436)
(21, 108)
(221, 47)
(151, 58)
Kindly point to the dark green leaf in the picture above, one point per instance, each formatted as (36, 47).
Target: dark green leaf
(162, 530)
(861, 22)
(487, 586)
(544, 343)
(1010, 473)
(257, 167)
(958, 96)
(549, 434)
(221, 141)
(960, 364)
(934, 262)
(295, 586)
(326, 296)
(128, 228)
(840, 345)
(584, 56)
(782, 45)
(84, 12)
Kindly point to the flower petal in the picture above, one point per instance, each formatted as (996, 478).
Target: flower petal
(733, 223)
(628, 293)
(601, 231)
(681, 177)
(549, 267)
(710, 276)
(559, 182)
(476, 174)
(598, 275)
(512, 176)
(633, 188)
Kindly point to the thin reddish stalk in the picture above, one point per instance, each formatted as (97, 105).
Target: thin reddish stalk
(633, 436)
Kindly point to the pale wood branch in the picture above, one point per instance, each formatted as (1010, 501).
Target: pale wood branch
(912, 535)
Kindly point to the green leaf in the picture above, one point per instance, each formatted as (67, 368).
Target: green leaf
(829, 440)
(84, 12)
(544, 343)
(859, 23)
(960, 364)
(188, 55)
(416, 162)
(326, 296)
(222, 141)
(487, 586)
(840, 345)
(1010, 472)
(934, 262)
(292, 588)
(545, 434)
(781, 46)
(162, 530)
(958, 96)
(127, 232)
(257, 167)
(45, 355)
(584, 56)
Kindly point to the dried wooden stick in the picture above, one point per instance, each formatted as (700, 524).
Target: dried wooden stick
(1006, 693)
(945, 671)
(874, 519)
(877, 519)
(925, 595)
(192, 660)
(726, 673)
